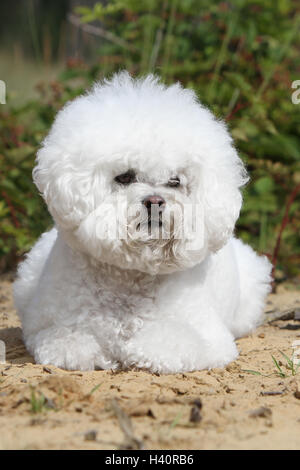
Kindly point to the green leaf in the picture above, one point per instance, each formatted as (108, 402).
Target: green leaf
(281, 373)
(264, 185)
(253, 372)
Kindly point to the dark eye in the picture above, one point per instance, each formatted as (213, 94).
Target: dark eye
(126, 178)
(174, 182)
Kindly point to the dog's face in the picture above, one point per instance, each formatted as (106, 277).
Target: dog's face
(141, 176)
(147, 218)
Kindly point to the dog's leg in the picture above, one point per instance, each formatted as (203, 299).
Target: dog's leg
(68, 349)
(171, 346)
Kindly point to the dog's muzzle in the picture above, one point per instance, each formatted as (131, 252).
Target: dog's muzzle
(155, 206)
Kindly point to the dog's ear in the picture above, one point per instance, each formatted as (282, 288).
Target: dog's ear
(65, 189)
(221, 196)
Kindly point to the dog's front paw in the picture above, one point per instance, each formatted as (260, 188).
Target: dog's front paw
(163, 350)
(72, 351)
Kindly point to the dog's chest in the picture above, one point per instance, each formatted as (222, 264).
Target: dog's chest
(125, 295)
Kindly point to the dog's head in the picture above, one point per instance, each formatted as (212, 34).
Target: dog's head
(141, 175)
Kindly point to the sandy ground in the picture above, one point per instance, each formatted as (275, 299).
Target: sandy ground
(49, 408)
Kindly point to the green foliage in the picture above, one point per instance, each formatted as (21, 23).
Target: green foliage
(37, 402)
(22, 215)
(240, 57)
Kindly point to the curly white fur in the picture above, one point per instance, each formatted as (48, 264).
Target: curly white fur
(90, 300)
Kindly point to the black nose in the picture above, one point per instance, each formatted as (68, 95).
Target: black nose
(158, 200)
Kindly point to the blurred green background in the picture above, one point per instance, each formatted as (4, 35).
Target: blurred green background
(240, 57)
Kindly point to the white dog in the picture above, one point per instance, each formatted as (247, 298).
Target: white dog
(110, 288)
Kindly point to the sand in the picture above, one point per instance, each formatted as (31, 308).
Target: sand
(49, 408)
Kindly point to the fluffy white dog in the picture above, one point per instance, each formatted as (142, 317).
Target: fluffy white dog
(118, 282)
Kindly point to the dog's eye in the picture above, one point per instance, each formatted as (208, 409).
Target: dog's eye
(126, 178)
(174, 182)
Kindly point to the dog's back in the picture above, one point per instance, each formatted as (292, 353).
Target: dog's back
(29, 272)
